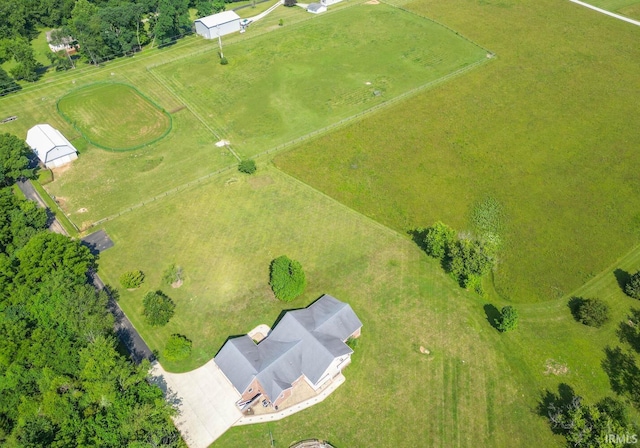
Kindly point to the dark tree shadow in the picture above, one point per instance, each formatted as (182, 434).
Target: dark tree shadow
(629, 330)
(418, 235)
(551, 402)
(493, 315)
(574, 305)
(621, 369)
(622, 278)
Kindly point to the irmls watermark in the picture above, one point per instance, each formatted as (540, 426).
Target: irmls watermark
(621, 439)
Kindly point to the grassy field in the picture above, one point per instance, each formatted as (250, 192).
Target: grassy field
(477, 388)
(629, 8)
(103, 113)
(279, 87)
(545, 129)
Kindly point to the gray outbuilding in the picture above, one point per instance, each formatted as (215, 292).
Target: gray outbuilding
(215, 25)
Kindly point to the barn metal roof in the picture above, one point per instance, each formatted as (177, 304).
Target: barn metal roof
(48, 143)
(219, 19)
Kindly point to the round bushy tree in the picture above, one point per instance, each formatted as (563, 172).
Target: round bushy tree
(508, 319)
(178, 348)
(592, 312)
(438, 238)
(287, 278)
(632, 288)
(158, 308)
(132, 279)
(247, 166)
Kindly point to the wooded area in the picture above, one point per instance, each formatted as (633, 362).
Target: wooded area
(63, 381)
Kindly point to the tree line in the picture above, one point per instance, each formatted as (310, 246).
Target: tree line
(63, 380)
(99, 29)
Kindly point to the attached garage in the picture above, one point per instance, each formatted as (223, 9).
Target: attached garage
(225, 22)
(51, 147)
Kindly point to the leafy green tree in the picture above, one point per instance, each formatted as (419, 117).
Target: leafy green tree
(632, 288)
(132, 279)
(14, 159)
(158, 308)
(624, 374)
(178, 348)
(85, 26)
(172, 275)
(590, 425)
(469, 259)
(27, 66)
(438, 240)
(287, 278)
(205, 8)
(247, 166)
(48, 253)
(508, 319)
(7, 84)
(218, 6)
(172, 20)
(592, 312)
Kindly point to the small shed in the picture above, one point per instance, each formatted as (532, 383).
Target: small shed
(316, 8)
(51, 147)
(215, 25)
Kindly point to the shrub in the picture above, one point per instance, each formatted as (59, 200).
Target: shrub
(178, 348)
(158, 308)
(468, 259)
(632, 288)
(172, 274)
(280, 22)
(508, 319)
(352, 343)
(287, 279)
(223, 60)
(132, 279)
(592, 312)
(247, 166)
(438, 239)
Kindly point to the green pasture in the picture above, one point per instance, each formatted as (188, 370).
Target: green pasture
(629, 8)
(477, 388)
(545, 129)
(301, 78)
(114, 116)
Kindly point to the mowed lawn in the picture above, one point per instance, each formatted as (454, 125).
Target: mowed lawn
(547, 129)
(629, 8)
(476, 388)
(114, 116)
(300, 78)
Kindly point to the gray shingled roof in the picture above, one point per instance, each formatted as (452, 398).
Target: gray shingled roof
(304, 342)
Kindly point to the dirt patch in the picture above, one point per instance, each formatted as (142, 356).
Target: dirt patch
(176, 284)
(260, 182)
(61, 201)
(230, 181)
(82, 210)
(556, 368)
(372, 2)
(59, 170)
(424, 350)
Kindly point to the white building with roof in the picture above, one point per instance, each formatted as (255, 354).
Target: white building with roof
(51, 147)
(215, 25)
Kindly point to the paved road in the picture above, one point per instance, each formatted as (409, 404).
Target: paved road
(27, 189)
(123, 327)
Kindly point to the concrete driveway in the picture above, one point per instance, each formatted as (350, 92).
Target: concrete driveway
(206, 401)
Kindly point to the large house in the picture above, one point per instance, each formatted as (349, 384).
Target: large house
(52, 148)
(306, 345)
